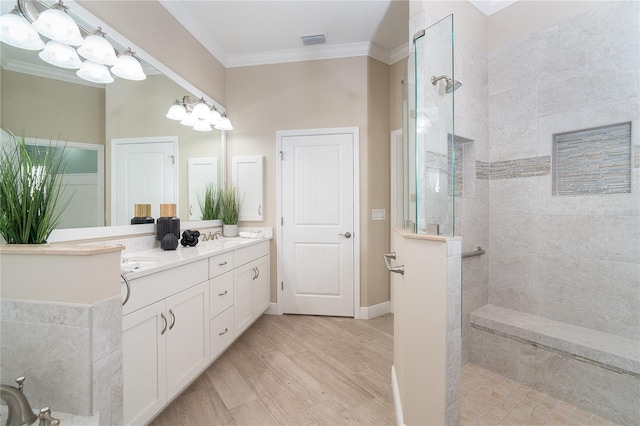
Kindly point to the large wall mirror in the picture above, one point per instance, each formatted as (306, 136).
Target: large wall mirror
(45, 103)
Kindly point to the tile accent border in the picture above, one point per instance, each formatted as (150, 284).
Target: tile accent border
(519, 168)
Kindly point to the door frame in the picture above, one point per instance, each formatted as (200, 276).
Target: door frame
(355, 132)
(115, 142)
(395, 197)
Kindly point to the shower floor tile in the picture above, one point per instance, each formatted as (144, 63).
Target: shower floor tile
(491, 399)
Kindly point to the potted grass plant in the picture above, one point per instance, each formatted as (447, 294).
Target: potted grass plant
(231, 204)
(212, 203)
(31, 192)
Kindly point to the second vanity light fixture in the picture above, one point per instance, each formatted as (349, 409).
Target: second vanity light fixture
(21, 26)
(198, 114)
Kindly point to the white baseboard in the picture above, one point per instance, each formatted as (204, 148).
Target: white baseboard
(272, 309)
(397, 403)
(370, 312)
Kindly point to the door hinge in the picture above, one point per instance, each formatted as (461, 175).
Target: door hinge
(282, 285)
(281, 220)
(281, 155)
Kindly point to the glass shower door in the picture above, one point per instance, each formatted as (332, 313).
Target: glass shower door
(429, 160)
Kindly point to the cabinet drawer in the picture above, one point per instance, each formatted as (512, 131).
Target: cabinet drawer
(220, 264)
(220, 293)
(247, 254)
(221, 332)
(151, 288)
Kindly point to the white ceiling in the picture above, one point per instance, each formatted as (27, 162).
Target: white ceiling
(241, 32)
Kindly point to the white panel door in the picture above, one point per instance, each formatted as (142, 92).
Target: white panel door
(318, 224)
(144, 171)
(202, 172)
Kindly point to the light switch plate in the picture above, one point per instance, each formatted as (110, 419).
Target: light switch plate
(378, 214)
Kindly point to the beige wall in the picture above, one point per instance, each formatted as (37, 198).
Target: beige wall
(137, 109)
(64, 111)
(375, 188)
(317, 94)
(150, 26)
(396, 71)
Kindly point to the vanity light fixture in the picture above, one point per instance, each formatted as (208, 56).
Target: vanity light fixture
(96, 48)
(198, 114)
(18, 32)
(94, 72)
(60, 55)
(55, 24)
(128, 67)
(224, 123)
(18, 28)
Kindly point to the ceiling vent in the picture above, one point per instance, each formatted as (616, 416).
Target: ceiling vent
(310, 40)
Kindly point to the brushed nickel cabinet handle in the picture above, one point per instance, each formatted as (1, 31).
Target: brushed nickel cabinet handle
(173, 317)
(224, 332)
(222, 294)
(164, 319)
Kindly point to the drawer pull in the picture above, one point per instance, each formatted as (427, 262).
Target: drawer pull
(222, 294)
(223, 263)
(173, 316)
(224, 332)
(164, 319)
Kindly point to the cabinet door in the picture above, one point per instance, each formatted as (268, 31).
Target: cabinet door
(246, 175)
(187, 336)
(260, 287)
(144, 366)
(242, 283)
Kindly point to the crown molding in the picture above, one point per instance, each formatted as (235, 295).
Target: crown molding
(309, 53)
(399, 53)
(46, 71)
(489, 7)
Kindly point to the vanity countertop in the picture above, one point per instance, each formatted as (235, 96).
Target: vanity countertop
(60, 249)
(150, 261)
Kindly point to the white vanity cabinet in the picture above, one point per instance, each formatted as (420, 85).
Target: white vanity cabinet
(177, 321)
(250, 285)
(165, 344)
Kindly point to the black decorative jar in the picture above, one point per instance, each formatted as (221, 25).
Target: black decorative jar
(142, 214)
(168, 223)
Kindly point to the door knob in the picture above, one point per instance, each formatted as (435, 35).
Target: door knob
(346, 234)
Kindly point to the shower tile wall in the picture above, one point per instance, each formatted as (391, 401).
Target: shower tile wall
(472, 208)
(549, 252)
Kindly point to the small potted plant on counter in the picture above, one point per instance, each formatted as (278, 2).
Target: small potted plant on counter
(32, 199)
(212, 203)
(231, 204)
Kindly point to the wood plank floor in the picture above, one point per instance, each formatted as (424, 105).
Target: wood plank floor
(295, 370)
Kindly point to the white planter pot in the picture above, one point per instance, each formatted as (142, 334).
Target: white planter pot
(230, 230)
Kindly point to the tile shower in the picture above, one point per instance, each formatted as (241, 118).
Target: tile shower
(561, 222)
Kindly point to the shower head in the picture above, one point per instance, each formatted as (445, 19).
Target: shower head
(452, 85)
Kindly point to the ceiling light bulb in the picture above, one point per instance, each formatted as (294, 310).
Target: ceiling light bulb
(55, 24)
(94, 72)
(96, 48)
(202, 126)
(176, 111)
(214, 116)
(60, 55)
(224, 123)
(128, 67)
(16, 31)
(201, 111)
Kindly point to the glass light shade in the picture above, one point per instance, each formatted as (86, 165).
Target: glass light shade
(224, 123)
(189, 120)
(94, 72)
(56, 25)
(176, 111)
(128, 67)
(214, 117)
(201, 111)
(60, 55)
(17, 31)
(97, 49)
(202, 126)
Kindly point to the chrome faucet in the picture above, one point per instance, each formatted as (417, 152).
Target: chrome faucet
(20, 412)
(212, 236)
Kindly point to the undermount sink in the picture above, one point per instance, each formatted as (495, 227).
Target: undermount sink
(130, 264)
